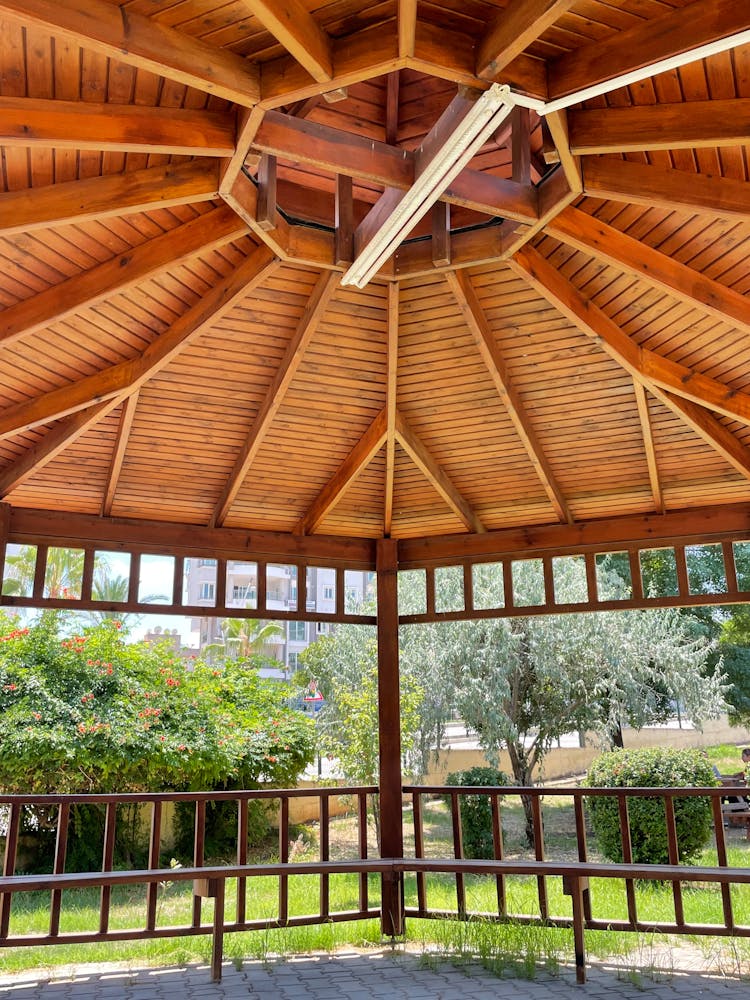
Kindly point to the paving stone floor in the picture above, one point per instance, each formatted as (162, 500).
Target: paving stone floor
(376, 975)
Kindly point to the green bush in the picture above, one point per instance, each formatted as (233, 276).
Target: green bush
(476, 811)
(654, 767)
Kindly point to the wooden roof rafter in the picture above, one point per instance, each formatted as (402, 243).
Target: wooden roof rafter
(585, 232)
(297, 30)
(644, 415)
(115, 194)
(391, 402)
(127, 416)
(657, 375)
(436, 475)
(141, 42)
(123, 378)
(320, 298)
(492, 357)
(207, 232)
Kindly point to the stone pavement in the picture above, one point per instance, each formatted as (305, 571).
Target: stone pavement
(363, 976)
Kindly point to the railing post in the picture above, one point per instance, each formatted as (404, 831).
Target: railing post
(575, 885)
(389, 726)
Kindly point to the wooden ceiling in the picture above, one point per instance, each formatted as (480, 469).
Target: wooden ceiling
(564, 337)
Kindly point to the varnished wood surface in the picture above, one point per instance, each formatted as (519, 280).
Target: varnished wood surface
(554, 344)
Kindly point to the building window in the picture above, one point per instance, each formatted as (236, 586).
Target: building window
(327, 593)
(206, 592)
(292, 591)
(292, 661)
(206, 562)
(323, 628)
(241, 593)
(296, 631)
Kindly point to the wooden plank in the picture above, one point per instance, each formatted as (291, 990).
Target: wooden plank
(512, 30)
(652, 185)
(649, 42)
(127, 416)
(102, 197)
(52, 444)
(441, 234)
(436, 475)
(476, 321)
(317, 304)
(297, 30)
(390, 403)
(584, 232)
(358, 458)
(144, 43)
(521, 146)
(392, 108)
(706, 426)
(214, 229)
(648, 444)
(114, 127)
(132, 374)
(661, 126)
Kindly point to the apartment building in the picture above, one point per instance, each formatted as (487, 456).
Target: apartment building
(281, 594)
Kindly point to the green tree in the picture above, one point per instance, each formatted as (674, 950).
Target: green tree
(345, 668)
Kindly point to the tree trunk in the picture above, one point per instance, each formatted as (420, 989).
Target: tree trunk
(617, 740)
(522, 775)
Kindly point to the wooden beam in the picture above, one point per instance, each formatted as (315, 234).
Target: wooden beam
(248, 122)
(644, 415)
(244, 199)
(512, 30)
(392, 325)
(650, 369)
(441, 234)
(450, 55)
(436, 475)
(389, 735)
(647, 43)
(344, 221)
(291, 24)
(266, 213)
(214, 229)
(645, 184)
(124, 128)
(315, 309)
(479, 327)
(611, 534)
(144, 43)
(60, 528)
(339, 152)
(127, 416)
(584, 232)
(131, 375)
(103, 197)
(660, 126)
(358, 459)
(554, 194)
(392, 107)
(407, 27)
(557, 123)
(362, 55)
(52, 444)
(521, 146)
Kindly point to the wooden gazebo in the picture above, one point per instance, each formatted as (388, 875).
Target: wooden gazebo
(396, 285)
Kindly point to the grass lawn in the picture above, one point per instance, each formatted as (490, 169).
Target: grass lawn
(519, 946)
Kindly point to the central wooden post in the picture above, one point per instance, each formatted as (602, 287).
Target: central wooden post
(389, 711)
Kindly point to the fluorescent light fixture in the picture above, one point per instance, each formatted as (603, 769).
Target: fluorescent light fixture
(487, 113)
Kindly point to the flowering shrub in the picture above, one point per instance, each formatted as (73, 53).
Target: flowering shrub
(92, 713)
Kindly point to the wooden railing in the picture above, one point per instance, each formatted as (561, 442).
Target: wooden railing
(579, 913)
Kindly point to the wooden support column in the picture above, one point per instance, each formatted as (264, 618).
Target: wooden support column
(389, 708)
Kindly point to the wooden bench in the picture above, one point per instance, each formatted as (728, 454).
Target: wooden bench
(736, 812)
